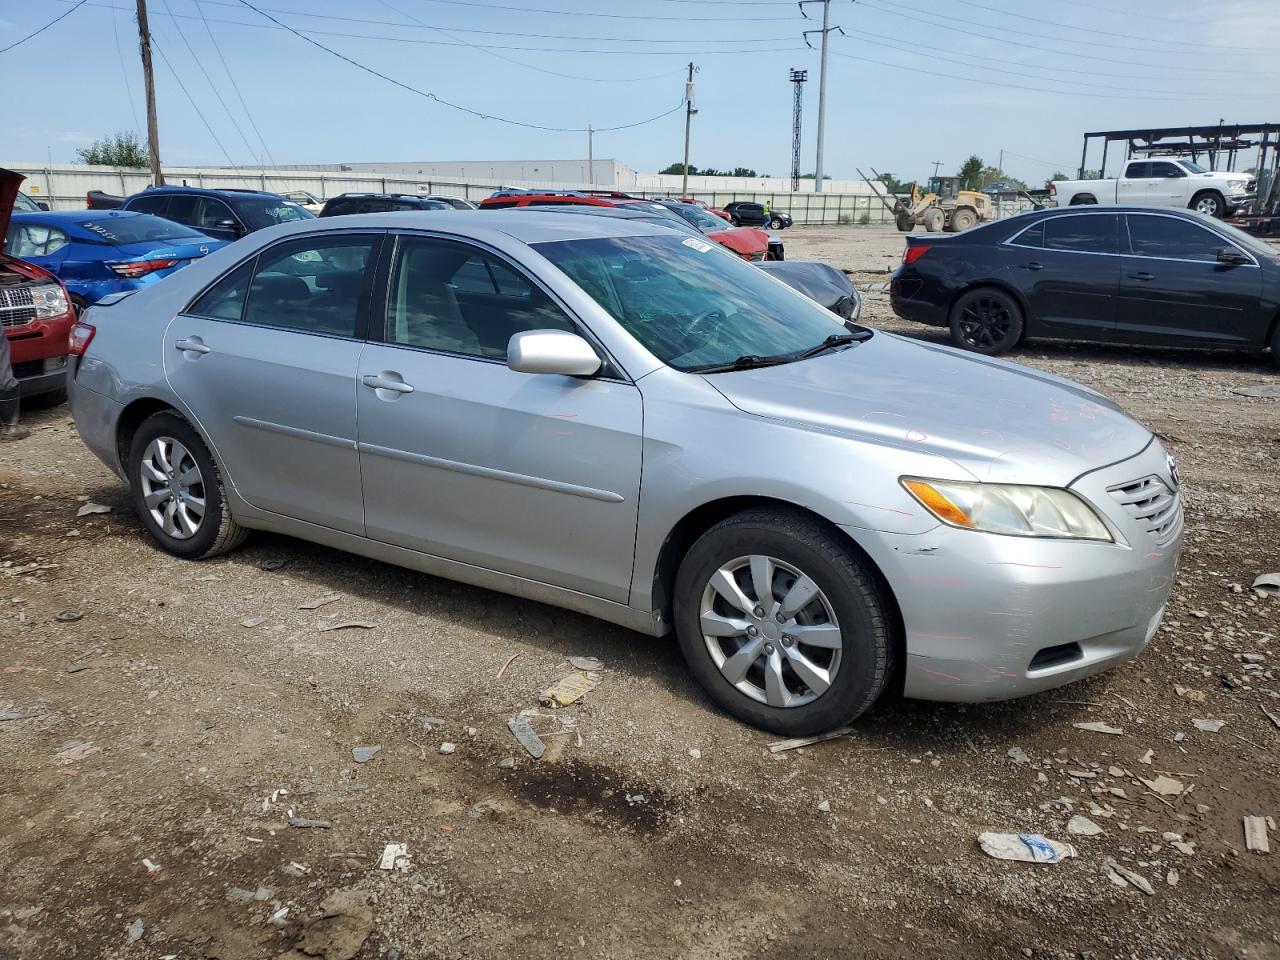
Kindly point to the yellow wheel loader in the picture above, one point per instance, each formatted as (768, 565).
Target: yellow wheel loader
(944, 206)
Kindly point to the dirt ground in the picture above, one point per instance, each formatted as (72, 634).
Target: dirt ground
(192, 709)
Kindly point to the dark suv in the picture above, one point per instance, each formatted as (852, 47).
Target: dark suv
(222, 214)
(746, 213)
(348, 203)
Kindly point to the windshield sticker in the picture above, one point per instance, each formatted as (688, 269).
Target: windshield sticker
(100, 231)
(699, 245)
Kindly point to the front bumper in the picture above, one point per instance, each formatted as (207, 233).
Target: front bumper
(36, 377)
(992, 617)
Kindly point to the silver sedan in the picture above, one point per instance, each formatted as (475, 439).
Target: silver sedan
(632, 423)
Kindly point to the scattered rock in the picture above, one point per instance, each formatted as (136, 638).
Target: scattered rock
(1164, 786)
(1209, 726)
(447, 747)
(303, 823)
(824, 806)
(364, 754)
(88, 508)
(250, 622)
(133, 932)
(1082, 826)
(695, 753)
(1097, 726)
(1017, 755)
(342, 929)
(1121, 875)
(506, 763)
(74, 750)
(239, 896)
(69, 616)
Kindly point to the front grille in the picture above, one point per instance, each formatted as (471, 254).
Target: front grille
(28, 368)
(1153, 504)
(16, 306)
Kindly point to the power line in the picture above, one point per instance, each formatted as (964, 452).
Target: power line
(234, 86)
(610, 16)
(160, 50)
(1092, 30)
(520, 63)
(128, 89)
(36, 33)
(448, 103)
(200, 64)
(1014, 86)
(916, 18)
(1047, 163)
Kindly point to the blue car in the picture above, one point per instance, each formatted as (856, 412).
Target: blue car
(97, 252)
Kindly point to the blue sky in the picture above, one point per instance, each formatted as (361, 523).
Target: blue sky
(913, 82)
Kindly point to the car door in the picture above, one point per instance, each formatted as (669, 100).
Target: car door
(537, 476)
(1174, 288)
(1135, 186)
(1069, 273)
(266, 360)
(214, 217)
(1168, 185)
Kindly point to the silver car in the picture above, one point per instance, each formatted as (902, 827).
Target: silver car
(632, 423)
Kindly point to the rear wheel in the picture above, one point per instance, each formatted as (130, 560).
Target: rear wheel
(963, 219)
(934, 219)
(776, 223)
(986, 321)
(782, 623)
(177, 490)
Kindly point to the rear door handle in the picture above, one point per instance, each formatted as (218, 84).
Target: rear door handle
(1144, 276)
(375, 382)
(194, 344)
(1033, 265)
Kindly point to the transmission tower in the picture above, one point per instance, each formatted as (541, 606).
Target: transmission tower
(798, 77)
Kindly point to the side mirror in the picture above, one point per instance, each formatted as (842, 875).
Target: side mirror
(552, 351)
(42, 204)
(231, 225)
(1232, 256)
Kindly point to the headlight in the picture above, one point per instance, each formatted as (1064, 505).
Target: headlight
(49, 300)
(1011, 509)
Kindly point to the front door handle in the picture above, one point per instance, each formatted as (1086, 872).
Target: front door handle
(1033, 265)
(380, 382)
(1143, 276)
(192, 344)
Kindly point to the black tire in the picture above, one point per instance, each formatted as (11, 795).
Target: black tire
(79, 303)
(41, 401)
(934, 220)
(963, 219)
(218, 531)
(1084, 201)
(775, 223)
(868, 646)
(1210, 203)
(904, 221)
(986, 320)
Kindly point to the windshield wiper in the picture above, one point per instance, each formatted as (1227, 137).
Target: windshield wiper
(748, 361)
(835, 340)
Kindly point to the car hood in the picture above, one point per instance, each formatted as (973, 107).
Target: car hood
(820, 282)
(9, 183)
(997, 421)
(743, 241)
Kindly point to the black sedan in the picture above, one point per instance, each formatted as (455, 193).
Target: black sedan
(745, 213)
(1118, 274)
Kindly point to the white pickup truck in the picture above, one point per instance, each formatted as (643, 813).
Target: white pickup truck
(1171, 182)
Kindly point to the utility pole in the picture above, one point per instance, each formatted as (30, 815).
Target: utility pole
(822, 79)
(153, 131)
(688, 120)
(798, 78)
(1000, 163)
(936, 165)
(591, 163)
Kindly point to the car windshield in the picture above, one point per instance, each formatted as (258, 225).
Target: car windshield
(139, 228)
(258, 213)
(704, 221)
(691, 304)
(1193, 166)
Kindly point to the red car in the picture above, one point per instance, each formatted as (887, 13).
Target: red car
(747, 242)
(36, 314)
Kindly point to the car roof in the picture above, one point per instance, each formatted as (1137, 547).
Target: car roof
(229, 192)
(81, 216)
(522, 225)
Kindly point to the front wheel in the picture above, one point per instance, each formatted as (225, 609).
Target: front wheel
(1209, 203)
(986, 321)
(904, 222)
(776, 223)
(963, 219)
(782, 623)
(177, 490)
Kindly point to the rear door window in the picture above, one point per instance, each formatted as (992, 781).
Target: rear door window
(313, 284)
(225, 299)
(27, 240)
(1033, 236)
(144, 204)
(1167, 170)
(1172, 238)
(1086, 233)
(184, 208)
(1138, 171)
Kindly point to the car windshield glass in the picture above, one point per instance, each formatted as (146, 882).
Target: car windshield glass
(704, 221)
(1193, 166)
(689, 302)
(265, 213)
(139, 228)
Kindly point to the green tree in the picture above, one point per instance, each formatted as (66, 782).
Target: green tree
(743, 172)
(894, 185)
(676, 169)
(1058, 175)
(118, 150)
(970, 173)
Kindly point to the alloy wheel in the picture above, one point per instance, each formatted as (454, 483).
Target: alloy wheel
(985, 322)
(172, 488)
(771, 631)
(1208, 206)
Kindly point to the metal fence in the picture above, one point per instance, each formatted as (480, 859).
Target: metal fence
(64, 186)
